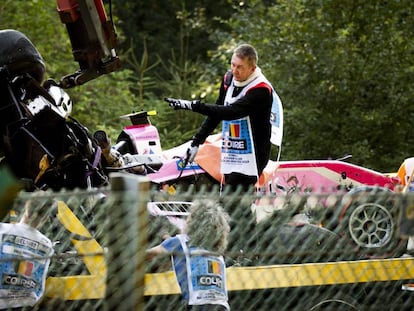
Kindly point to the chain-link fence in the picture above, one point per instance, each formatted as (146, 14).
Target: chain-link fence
(345, 251)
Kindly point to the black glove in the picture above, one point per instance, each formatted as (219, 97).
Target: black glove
(181, 103)
(191, 154)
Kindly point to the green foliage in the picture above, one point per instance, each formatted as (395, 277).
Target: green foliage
(141, 82)
(177, 25)
(100, 103)
(176, 127)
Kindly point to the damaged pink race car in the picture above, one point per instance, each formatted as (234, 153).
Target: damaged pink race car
(349, 200)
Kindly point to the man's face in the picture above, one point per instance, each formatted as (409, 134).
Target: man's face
(241, 68)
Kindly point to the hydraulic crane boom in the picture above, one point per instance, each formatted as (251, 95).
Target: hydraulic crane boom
(93, 40)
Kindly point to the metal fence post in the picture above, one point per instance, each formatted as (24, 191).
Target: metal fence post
(127, 241)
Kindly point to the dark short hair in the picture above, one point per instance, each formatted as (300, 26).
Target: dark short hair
(247, 51)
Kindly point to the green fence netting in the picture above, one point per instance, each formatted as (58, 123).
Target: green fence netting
(346, 251)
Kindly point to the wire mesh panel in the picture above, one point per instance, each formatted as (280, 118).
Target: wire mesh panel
(304, 252)
(76, 275)
(344, 251)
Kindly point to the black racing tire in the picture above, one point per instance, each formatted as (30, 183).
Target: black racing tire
(290, 243)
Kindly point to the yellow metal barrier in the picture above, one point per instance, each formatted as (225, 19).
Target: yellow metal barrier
(310, 274)
(93, 286)
(80, 286)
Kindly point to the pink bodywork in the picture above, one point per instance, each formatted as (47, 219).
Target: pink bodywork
(146, 140)
(327, 176)
(307, 175)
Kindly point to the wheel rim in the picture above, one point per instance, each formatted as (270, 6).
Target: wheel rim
(371, 225)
